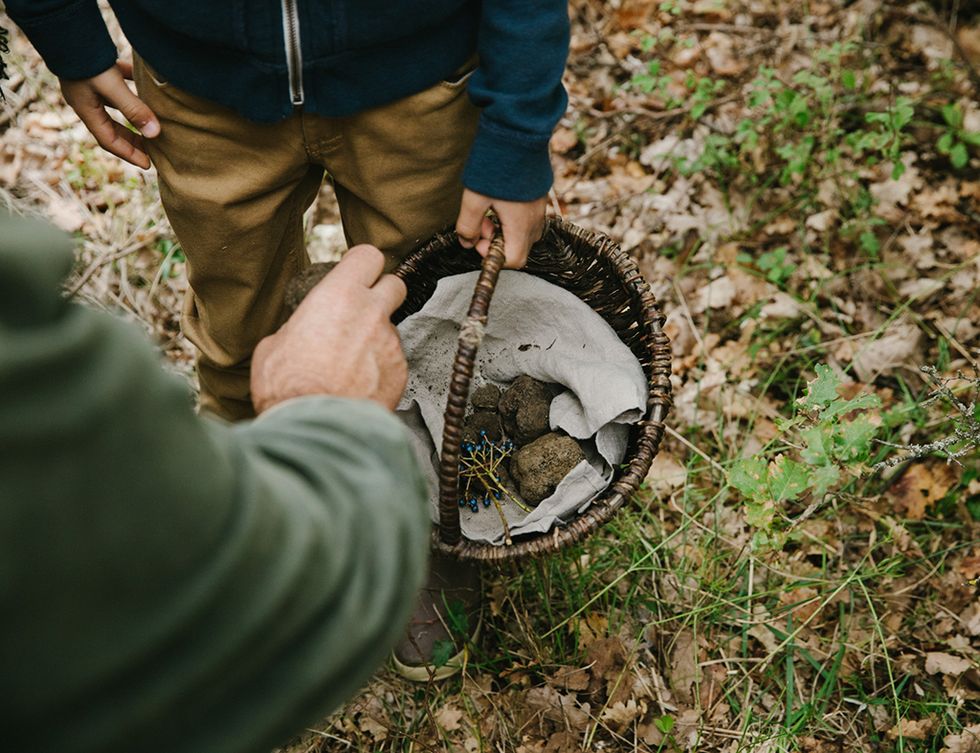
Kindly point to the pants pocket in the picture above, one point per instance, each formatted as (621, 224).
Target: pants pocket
(149, 73)
(461, 75)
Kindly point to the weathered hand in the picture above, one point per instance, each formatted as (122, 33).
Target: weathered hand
(522, 223)
(340, 341)
(89, 98)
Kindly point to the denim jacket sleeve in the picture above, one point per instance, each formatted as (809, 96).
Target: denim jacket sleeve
(70, 35)
(523, 47)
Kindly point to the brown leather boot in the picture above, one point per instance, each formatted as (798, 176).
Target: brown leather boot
(446, 618)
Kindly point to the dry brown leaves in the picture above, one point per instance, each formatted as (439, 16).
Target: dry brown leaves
(921, 486)
(967, 741)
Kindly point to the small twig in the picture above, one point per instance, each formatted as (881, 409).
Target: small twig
(827, 343)
(610, 205)
(956, 344)
(101, 262)
(555, 204)
(10, 111)
(602, 144)
(696, 450)
(328, 736)
(966, 428)
(643, 112)
(503, 520)
(159, 275)
(483, 467)
(686, 310)
(731, 28)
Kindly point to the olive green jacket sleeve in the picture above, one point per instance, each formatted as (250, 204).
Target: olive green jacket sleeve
(168, 583)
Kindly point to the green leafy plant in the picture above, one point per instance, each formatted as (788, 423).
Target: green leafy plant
(807, 122)
(823, 445)
(442, 651)
(703, 93)
(173, 257)
(718, 157)
(955, 140)
(773, 264)
(888, 137)
(665, 724)
(652, 79)
(458, 624)
(860, 224)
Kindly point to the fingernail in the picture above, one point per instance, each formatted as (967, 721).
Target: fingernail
(151, 129)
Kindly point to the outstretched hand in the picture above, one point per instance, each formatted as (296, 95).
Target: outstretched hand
(522, 223)
(340, 341)
(89, 98)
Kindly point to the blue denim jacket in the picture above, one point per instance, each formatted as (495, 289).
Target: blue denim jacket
(265, 58)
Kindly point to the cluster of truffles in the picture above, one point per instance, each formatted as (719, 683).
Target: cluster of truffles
(509, 450)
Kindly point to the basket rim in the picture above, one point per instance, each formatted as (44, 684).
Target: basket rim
(651, 427)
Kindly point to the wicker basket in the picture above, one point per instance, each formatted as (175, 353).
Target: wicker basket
(594, 268)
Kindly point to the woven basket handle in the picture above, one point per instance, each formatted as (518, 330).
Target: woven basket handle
(470, 337)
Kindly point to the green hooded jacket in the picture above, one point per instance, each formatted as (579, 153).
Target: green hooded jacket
(168, 582)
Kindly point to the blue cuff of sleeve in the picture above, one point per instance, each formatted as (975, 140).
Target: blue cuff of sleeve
(509, 165)
(73, 40)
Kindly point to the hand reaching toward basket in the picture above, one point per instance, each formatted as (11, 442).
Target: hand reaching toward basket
(340, 341)
(522, 223)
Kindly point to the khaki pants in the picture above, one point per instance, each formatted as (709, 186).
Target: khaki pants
(235, 192)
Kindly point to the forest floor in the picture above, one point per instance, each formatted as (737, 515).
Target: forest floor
(800, 184)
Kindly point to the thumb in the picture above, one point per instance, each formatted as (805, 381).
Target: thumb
(470, 222)
(116, 94)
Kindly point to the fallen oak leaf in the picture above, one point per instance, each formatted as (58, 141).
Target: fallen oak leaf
(717, 294)
(684, 670)
(899, 346)
(570, 678)
(920, 487)
(563, 140)
(967, 741)
(373, 727)
(947, 664)
(448, 717)
(970, 566)
(912, 729)
(560, 708)
(620, 716)
(665, 474)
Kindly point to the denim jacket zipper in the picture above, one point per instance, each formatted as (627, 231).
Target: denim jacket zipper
(294, 54)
